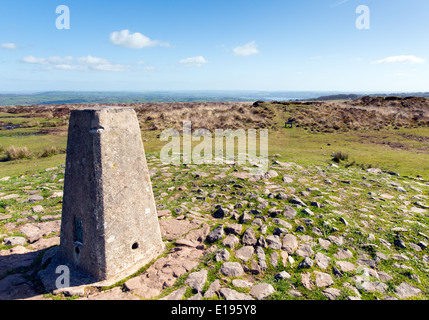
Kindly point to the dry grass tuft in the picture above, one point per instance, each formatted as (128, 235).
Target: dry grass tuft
(17, 153)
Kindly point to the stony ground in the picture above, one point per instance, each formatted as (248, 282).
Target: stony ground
(294, 233)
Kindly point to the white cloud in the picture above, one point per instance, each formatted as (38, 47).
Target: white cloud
(71, 63)
(9, 46)
(194, 61)
(401, 59)
(92, 60)
(31, 59)
(134, 40)
(246, 50)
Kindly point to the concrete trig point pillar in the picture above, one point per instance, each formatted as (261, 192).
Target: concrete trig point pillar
(109, 225)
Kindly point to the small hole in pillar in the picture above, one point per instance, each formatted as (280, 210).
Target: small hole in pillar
(135, 246)
(77, 250)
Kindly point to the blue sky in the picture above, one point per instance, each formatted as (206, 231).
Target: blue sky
(270, 45)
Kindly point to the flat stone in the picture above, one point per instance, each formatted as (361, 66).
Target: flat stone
(172, 229)
(262, 290)
(346, 266)
(230, 294)
(289, 243)
(289, 212)
(324, 243)
(323, 279)
(234, 229)
(343, 254)
(34, 198)
(322, 260)
(405, 290)
(213, 289)
(10, 196)
(249, 237)
(37, 209)
(216, 234)
(197, 280)
(283, 223)
(306, 263)
(57, 194)
(274, 259)
(384, 277)
(282, 275)
(239, 283)
(115, 294)
(333, 293)
(245, 253)
(231, 241)
(222, 255)
(306, 280)
(35, 231)
(163, 213)
(14, 241)
(304, 250)
(176, 295)
(287, 179)
(337, 240)
(198, 235)
(232, 269)
(369, 286)
(42, 244)
(274, 242)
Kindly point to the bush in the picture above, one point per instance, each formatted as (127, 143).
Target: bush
(340, 156)
(49, 152)
(17, 153)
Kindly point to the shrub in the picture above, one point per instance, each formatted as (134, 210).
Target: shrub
(17, 153)
(49, 152)
(340, 156)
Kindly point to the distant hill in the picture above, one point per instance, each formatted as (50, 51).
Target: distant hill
(357, 96)
(100, 97)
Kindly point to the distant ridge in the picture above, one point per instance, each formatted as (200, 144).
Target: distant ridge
(100, 97)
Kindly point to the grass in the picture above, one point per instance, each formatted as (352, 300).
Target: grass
(403, 150)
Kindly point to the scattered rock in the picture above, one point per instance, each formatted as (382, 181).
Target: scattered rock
(306, 263)
(274, 242)
(343, 254)
(213, 289)
(230, 294)
(216, 234)
(239, 283)
(249, 237)
(346, 266)
(232, 269)
(333, 294)
(283, 275)
(244, 253)
(322, 260)
(222, 255)
(289, 212)
(289, 243)
(323, 279)
(231, 241)
(197, 280)
(405, 290)
(14, 241)
(262, 290)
